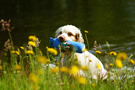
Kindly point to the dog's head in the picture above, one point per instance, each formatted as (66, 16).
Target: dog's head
(69, 32)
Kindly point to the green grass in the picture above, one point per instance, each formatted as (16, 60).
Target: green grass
(23, 70)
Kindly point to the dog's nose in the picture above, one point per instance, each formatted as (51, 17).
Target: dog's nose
(62, 38)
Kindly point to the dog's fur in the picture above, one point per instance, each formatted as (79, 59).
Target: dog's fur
(72, 33)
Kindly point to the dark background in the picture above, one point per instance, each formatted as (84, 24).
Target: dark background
(106, 20)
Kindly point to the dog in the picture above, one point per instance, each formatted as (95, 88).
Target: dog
(95, 67)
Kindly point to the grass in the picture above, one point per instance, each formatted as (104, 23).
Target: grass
(26, 68)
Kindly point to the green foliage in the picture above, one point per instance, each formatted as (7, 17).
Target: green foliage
(26, 67)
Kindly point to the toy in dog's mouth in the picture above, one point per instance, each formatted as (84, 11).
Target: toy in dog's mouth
(67, 46)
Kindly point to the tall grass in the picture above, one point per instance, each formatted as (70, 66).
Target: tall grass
(26, 68)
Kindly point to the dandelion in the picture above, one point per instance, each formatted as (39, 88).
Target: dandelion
(18, 71)
(98, 66)
(64, 69)
(84, 68)
(55, 70)
(113, 53)
(90, 60)
(22, 47)
(13, 51)
(32, 43)
(52, 50)
(86, 31)
(42, 59)
(33, 38)
(74, 70)
(1, 67)
(118, 63)
(84, 49)
(40, 72)
(35, 87)
(17, 67)
(82, 80)
(99, 52)
(131, 61)
(111, 64)
(93, 85)
(57, 63)
(33, 78)
(132, 81)
(29, 52)
(122, 56)
(17, 52)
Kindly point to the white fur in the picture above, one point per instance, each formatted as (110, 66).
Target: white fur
(83, 58)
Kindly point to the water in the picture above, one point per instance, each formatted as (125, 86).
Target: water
(106, 20)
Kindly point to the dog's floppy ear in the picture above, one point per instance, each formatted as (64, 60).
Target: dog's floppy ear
(79, 38)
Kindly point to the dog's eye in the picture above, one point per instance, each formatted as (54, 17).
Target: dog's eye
(70, 34)
(60, 33)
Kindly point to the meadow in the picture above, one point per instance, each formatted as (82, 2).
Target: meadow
(27, 68)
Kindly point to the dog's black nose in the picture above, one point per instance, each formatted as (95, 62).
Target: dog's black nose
(62, 38)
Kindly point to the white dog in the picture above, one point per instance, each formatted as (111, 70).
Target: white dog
(95, 67)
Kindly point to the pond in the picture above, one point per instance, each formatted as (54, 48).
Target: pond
(110, 21)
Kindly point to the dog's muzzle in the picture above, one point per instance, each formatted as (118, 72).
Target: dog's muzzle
(62, 38)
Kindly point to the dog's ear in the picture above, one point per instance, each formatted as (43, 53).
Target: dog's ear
(79, 38)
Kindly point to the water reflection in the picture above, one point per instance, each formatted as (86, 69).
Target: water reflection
(106, 20)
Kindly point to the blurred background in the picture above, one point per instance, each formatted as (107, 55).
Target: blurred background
(106, 20)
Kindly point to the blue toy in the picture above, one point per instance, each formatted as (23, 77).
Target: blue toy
(67, 46)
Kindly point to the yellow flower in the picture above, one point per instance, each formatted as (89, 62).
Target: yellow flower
(82, 80)
(93, 85)
(122, 56)
(131, 61)
(64, 69)
(132, 81)
(90, 60)
(18, 71)
(43, 59)
(17, 52)
(55, 70)
(40, 72)
(29, 52)
(118, 63)
(57, 63)
(84, 68)
(1, 67)
(17, 67)
(13, 51)
(99, 52)
(35, 87)
(33, 38)
(33, 78)
(98, 66)
(52, 50)
(32, 43)
(21, 47)
(84, 49)
(111, 64)
(113, 53)
(86, 31)
(74, 70)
